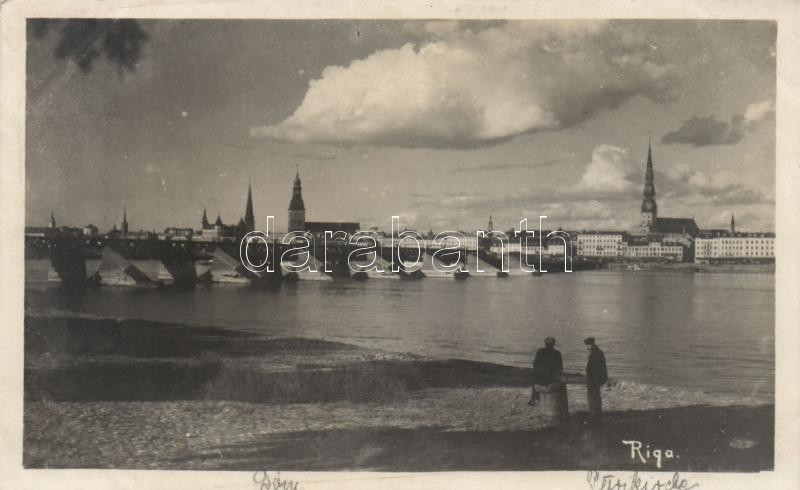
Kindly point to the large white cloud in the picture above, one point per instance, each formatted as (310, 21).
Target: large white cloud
(466, 88)
(611, 171)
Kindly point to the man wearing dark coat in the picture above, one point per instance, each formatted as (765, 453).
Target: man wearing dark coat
(596, 376)
(547, 367)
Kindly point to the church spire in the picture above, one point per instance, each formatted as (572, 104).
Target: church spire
(733, 225)
(124, 225)
(249, 217)
(52, 219)
(649, 207)
(649, 170)
(205, 218)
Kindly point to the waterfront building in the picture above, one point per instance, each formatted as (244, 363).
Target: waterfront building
(178, 234)
(42, 231)
(601, 243)
(210, 234)
(213, 232)
(143, 235)
(218, 231)
(467, 241)
(551, 248)
(297, 208)
(650, 223)
(738, 246)
(318, 228)
(733, 246)
(37, 231)
(652, 247)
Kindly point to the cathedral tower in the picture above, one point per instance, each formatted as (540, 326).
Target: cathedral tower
(297, 209)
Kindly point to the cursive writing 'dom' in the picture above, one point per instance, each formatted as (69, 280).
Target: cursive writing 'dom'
(267, 482)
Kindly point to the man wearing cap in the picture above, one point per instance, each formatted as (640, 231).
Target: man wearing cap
(547, 367)
(596, 376)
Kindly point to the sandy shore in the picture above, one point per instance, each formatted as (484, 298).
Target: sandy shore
(104, 393)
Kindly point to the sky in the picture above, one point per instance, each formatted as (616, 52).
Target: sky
(442, 123)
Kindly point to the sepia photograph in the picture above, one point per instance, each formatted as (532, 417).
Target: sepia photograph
(400, 245)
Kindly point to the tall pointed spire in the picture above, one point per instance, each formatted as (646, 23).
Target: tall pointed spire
(124, 226)
(649, 215)
(52, 219)
(249, 217)
(205, 218)
(733, 225)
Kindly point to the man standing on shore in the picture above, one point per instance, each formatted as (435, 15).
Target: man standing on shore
(547, 367)
(596, 376)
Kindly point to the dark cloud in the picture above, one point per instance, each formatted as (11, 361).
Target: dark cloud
(706, 131)
(503, 166)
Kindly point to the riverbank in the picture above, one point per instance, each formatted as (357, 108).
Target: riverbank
(103, 393)
(691, 267)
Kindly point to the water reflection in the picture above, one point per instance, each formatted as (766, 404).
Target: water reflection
(705, 331)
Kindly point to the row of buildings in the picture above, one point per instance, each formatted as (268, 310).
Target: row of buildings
(704, 247)
(675, 239)
(658, 238)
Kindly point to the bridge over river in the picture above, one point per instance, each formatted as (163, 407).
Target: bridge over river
(80, 261)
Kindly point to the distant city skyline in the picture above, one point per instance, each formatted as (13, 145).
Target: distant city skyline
(441, 123)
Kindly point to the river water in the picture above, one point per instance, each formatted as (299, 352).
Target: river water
(707, 331)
